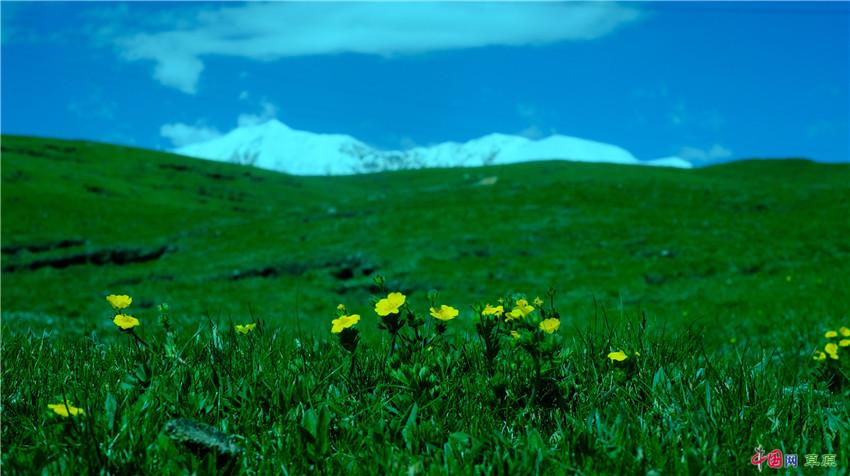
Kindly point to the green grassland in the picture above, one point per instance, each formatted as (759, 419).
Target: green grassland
(752, 240)
(723, 278)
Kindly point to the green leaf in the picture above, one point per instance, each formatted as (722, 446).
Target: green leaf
(110, 408)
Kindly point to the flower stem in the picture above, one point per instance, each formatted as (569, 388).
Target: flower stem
(139, 339)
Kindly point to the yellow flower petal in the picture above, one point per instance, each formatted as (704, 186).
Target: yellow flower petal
(344, 322)
(119, 301)
(246, 328)
(521, 310)
(830, 334)
(819, 356)
(832, 350)
(445, 313)
(845, 332)
(125, 322)
(65, 409)
(492, 311)
(538, 301)
(618, 356)
(390, 304)
(550, 325)
(844, 343)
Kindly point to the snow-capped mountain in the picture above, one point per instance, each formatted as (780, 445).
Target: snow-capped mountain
(275, 146)
(671, 161)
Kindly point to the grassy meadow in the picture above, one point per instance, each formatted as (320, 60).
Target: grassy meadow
(680, 321)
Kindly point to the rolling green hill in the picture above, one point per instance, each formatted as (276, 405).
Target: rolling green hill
(737, 247)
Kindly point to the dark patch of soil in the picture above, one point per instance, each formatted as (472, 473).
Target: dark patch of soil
(115, 256)
(41, 247)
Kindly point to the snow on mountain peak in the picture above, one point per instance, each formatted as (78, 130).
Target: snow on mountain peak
(673, 161)
(271, 125)
(275, 146)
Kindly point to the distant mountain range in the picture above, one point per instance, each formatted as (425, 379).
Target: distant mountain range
(275, 146)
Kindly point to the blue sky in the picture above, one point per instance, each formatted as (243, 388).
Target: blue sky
(706, 81)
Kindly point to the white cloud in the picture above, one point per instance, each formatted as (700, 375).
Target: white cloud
(269, 31)
(531, 132)
(269, 112)
(180, 72)
(536, 122)
(695, 154)
(527, 112)
(181, 134)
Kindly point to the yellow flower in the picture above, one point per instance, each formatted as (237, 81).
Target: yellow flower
(832, 350)
(245, 329)
(119, 301)
(492, 311)
(819, 356)
(619, 356)
(445, 313)
(521, 309)
(390, 304)
(844, 343)
(340, 307)
(515, 334)
(537, 301)
(125, 322)
(830, 334)
(344, 322)
(550, 325)
(65, 409)
(845, 332)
